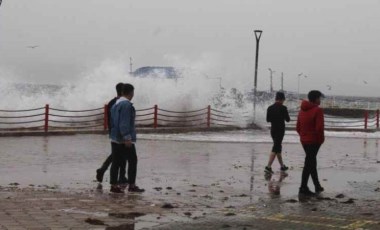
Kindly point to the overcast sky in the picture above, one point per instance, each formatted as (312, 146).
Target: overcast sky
(333, 42)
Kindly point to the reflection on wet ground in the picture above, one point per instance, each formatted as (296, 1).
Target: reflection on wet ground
(199, 177)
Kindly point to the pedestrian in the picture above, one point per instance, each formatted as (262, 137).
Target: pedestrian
(277, 114)
(123, 140)
(310, 127)
(100, 171)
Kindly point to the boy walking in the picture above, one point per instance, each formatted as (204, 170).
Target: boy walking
(277, 114)
(310, 127)
(123, 139)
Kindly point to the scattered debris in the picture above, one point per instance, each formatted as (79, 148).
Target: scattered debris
(230, 214)
(167, 206)
(187, 213)
(94, 221)
(130, 215)
(349, 201)
(291, 201)
(341, 195)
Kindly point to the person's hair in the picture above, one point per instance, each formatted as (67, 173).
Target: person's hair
(128, 89)
(280, 96)
(119, 88)
(314, 95)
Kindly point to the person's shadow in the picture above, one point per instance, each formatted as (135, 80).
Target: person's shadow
(274, 185)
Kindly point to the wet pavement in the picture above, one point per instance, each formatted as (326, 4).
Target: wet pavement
(192, 181)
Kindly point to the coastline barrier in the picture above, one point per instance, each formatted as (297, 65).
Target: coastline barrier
(369, 121)
(51, 119)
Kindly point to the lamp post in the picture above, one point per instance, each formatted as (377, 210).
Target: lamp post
(299, 77)
(258, 36)
(271, 79)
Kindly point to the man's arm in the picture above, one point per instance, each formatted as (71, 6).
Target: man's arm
(298, 125)
(287, 118)
(320, 126)
(268, 115)
(125, 121)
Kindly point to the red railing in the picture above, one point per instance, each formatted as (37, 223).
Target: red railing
(49, 118)
(367, 122)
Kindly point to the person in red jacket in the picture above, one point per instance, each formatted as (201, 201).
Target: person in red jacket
(310, 127)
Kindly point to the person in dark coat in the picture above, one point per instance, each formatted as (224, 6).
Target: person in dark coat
(277, 114)
(310, 127)
(100, 171)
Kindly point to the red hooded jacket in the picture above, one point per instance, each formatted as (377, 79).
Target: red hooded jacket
(310, 123)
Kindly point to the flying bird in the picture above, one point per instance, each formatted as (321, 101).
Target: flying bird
(328, 87)
(365, 82)
(32, 47)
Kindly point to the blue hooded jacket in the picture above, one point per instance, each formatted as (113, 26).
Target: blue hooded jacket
(123, 116)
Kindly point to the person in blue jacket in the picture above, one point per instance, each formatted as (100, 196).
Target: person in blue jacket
(123, 140)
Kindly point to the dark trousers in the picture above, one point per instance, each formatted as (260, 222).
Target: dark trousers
(310, 167)
(121, 154)
(122, 170)
(277, 137)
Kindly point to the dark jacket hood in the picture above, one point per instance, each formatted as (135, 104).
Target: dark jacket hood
(307, 105)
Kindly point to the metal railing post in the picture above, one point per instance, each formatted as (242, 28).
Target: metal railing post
(155, 121)
(46, 126)
(208, 116)
(377, 118)
(366, 120)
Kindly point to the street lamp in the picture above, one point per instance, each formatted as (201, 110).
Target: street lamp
(258, 36)
(271, 79)
(299, 77)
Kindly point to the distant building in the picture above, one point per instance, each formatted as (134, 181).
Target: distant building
(157, 72)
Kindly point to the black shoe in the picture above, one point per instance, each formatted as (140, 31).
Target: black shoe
(99, 175)
(268, 170)
(306, 192)
(135, 189)
(284, 168)
(319, 189)
(116, 189)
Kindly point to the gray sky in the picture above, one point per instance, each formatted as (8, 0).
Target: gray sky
(333, 42)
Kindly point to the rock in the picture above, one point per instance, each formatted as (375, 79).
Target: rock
(130, 215)
(14, 184)
(221, 191)
(230, 214)
(314, 209)
(194, 185)
(167, 206)
(226, 226)
(230, 206)
(187, 213)
(157, 188)
(291, 201)
(377, 190)
(192, 190)
(169, 188)
(349, 201)
(178, 193)
(339, 196)
(367, 214)
(94, 221)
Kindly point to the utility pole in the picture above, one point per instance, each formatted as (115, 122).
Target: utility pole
(282, 81)
(258, 36)
(271, 79)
